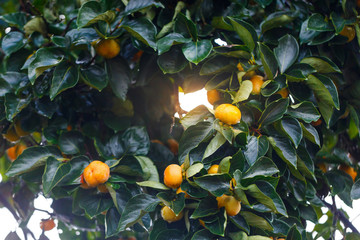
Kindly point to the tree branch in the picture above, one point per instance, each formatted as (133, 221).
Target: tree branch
(341, 216)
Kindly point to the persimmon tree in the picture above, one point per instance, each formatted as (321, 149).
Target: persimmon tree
(99, 80)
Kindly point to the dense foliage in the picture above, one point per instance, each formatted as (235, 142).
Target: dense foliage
(67, 105)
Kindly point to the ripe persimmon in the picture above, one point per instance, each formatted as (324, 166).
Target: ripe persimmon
(96, 173)
(173, 176)
(257, 82)
(168, 215)
(349, 170)
(107, 48)
(47, 225)
(213, 96)
(228, 114)
(213, 169)
(173, 145)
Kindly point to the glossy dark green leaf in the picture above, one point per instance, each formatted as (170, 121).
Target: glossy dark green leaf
(305, 111)
(310, 133)
(119, 75)
(273, 112)
(196, 52)
(266, 194)
(172, 61)
(194, 116)
(218, 64)
(12, 42)
(95, 77)
(308, 213)
(203, 234)
(214, 145)
(170, 234)
(318, 23)
(55, 171)
(293, 234)
(142, 29)
(17, 19)
(111, 222)
(136, 141)
(256, 221)
(256, 148)
(355, 190)
(186, 27)
(71, 142)
(268, 60)
(264, 166)
(276, 19)
(176, 204)
(44, 58)
(240, 222)
(299, 72)
(45, 107)
(78, 165)
(207, 207)
(245, 31)
(164, 44)
(192, 137)
(65, 76)
(137, 5)
(321, 64)
(137, 207)
(95, 204)
(82, 36)
(286, 52)
(292, 129)
(14, 105)
(91, 12)
(284, 149)
(306, 34)
(32, 158)
(217, 184)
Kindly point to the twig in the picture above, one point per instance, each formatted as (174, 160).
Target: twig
(341, 216)
(68, 26)
(335, 218)
(41, 210)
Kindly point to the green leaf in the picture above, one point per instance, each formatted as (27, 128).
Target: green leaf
(276, 19)
(244, 91)
(14, 105)
(293, 234)
(142, 29)
(318, 23)
(286, 52)
(321, 64)
(284, 149)
(111, 222)
(12, 42)
(65, 76)
(45, 58)
(36, 24)
(245, 31)
(202, 234)
(91, 12)
(186, 27)
(268, 60)
(95, 77)
(176, 204)
(137, 5)
(264, 166)
(218, 224)
(119, 74)
(196, 115)
(299, 72)
(310, 133)
(55, 171)
(218, 64)
(355, 190)
(172, 61)
(207, 207)
(194, 169)
(292, 129)
(273, 112)
(192, 137)
(32, 158)
(256, 148)
(240, 222)
(136, 141)
(196, 52)
(217, 184)
(18, 19)
(153, 184)
(150, 172)
(266, 194)
(256, 221)
(164, 44)
(95, 204)
(305, 111)
(137, 207)
(71, 142)
(214, 145)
